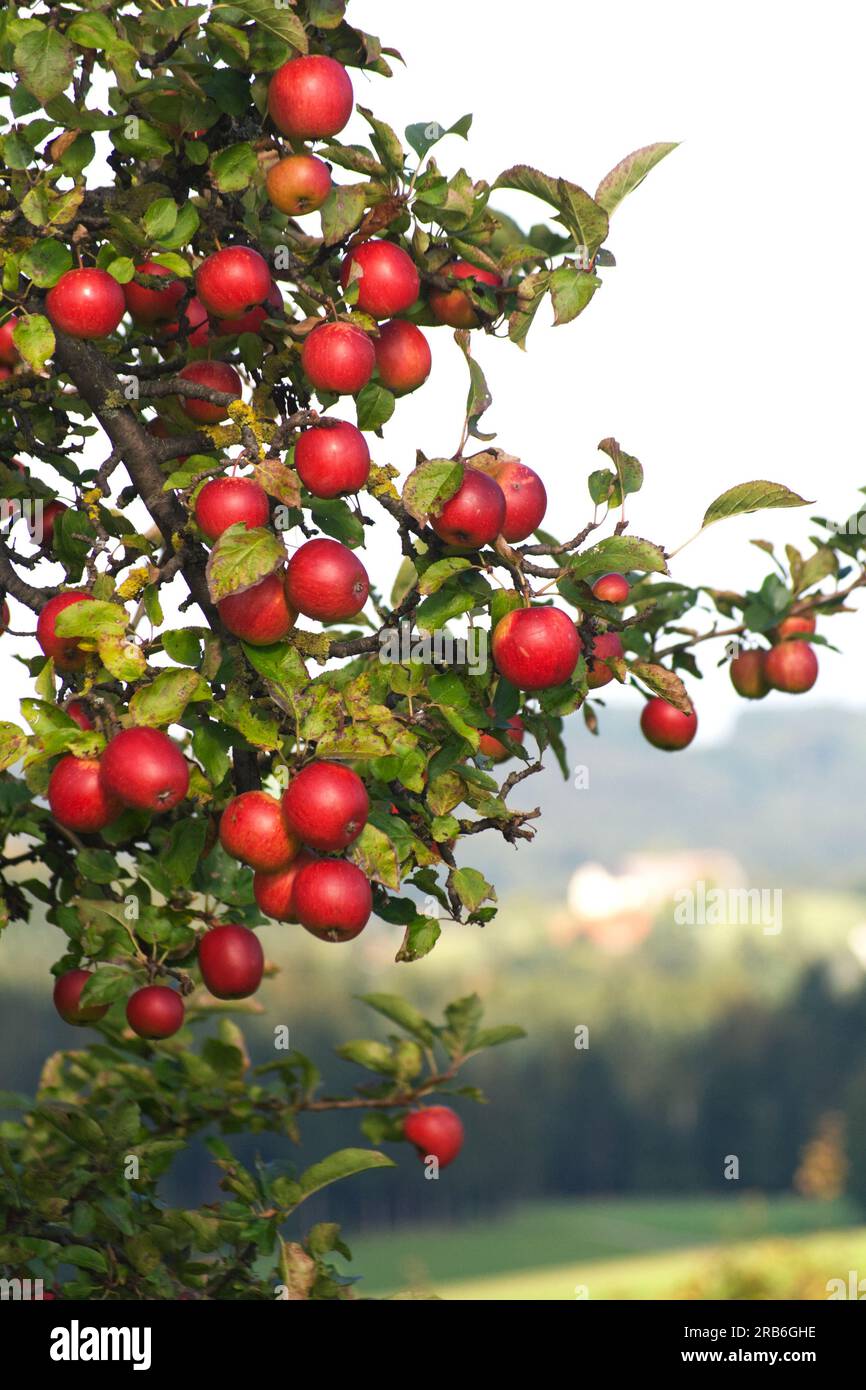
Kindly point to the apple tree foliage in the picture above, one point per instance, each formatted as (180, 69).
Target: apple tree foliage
(172, 99)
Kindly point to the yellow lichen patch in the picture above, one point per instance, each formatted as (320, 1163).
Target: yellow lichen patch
(312, 644)
(134, 583)
(379, 483)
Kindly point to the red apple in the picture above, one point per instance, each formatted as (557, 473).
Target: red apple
(338, 357)
(145, 769)
(79, 799)
(535, 648)
(403, 358)
(474, 516)
(326, 580)
(310, 98)
(5, 618)
(254, 830)
(748, 676)
(454, 307)
(219, 376)
(326, 805)
(67, 996)
(436, 1133)
(259, 615)
(252, 320)
(386, 276)
(195, 322)
(9, 354)
(796, 622)
(611, 588)
(231, 961)
(525, 498)
(225, 502)
(274, 892)
(606, 647)
(86, 303)
(332, 899)
(332, 459)
(66, 652)
(151, 306)
(666, 727)
(77, 711)
(298, 184)
(791, 667)
(50, 512)
(231, 281)
(155, 1011)
(493, 747)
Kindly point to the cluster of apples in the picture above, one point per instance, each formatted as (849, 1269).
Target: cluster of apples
(790, 665)
(289, 843)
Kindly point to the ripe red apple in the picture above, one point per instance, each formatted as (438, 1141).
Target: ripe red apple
(310, 98)
(145, 769)
(252, 320)
(79, 798)
(606, 647)
(332, 459)
(195, 322)
(254, 830)
(536, 648)
(259, 615)
(436, 1133)
(475, 515)
(338, 357)
(326, 580)
(50, 512)
(219, 376)
(231, 281)
(403, 357)
(66, 652)
(5, 618)
(155, 1011)
(454, 307)
(525, 498)
(76, 710)
(611, 588)
(67, 995)
(326, 805)
(298, 184)
(9, 354)
(791, 667)
(493, 747)
(231, 961)
(332, 899)
(386, 276)
(748, 676)
(151, 306)
(666, 727)
(86, 303)
(274, 892)
(225, 502)
(796, 622)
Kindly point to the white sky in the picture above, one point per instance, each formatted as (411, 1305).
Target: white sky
(727, 343)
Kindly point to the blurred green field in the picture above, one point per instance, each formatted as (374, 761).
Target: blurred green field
(745, 1247)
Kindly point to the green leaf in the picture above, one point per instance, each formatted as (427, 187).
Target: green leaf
(631, 171)
(751, 497)
(345, 1163)
(242, 558)
(429, 486)
(582, 215)
(326, 14)
(97, 865)
(441, 571)
(479, 398)
(106, 984)
(336, 518)
(342, 210)
(34, 338)
(180, 235)
(234, 168)
(494, 1037)
(420, 937)
(664, 683)
(629, 470)
(423, 135)
(122, 658)
(45, 61)
(85, 1258)
(92, 31)
(401, 1012)
(472, 888)
(165, 699)
(385, 142)
(160, 218)
(280, 21)
(374, 852)
(375, 406)
(45, 262)
(91, 618)
(280, 662)
(183, 849)
(13, 743)
(374, 1056)
(618, 555)
(571, 290)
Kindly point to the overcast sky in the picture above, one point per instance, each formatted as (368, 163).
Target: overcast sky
(727, 342)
